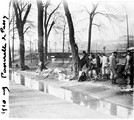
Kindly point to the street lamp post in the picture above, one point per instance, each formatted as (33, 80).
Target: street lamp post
(63, 42)
(30, 49)
(104, 49)
(127, 32)
(55, 43)
(35, 45)
(68, 46)
(96, 47)
(49, 47)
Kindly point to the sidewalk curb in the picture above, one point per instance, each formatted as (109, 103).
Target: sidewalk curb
(47, 88)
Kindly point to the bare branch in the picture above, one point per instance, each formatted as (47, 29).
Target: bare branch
(50, 28)
(82, 20)
(11, 19)
(85, 9)
(110, 16)
(103, 14)
(45, 19)
(26, 14)
(96, 25)
(31, 23)
(58, 27)
(55, 30)
(93, 11)
(12, 29)
(16, 13)
(18, 10)
(52, 13)
(47, 4)
(22, 9)
(26, 29)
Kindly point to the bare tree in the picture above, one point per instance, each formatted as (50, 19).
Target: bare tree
(91, 17)
(74, 46)
(48, 24)
(12, 30)
(111, 17)
(21, 10)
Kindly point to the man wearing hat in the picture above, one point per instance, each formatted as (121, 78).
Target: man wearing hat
(113, 67)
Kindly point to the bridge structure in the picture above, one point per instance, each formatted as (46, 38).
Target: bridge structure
(60, 55)
(68, 54)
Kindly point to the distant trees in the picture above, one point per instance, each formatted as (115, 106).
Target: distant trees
(21, 12)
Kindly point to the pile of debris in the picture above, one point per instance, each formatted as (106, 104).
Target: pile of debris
(62, 75)
(56, 73)
(127, 88)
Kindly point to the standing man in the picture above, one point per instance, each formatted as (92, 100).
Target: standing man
(104, 66)
(113, 67)
(84, 59)
(98, 64)
(129, 68)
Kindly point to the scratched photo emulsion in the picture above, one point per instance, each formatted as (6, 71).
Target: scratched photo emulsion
(69, 59)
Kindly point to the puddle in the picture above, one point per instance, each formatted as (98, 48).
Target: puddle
(74, 97)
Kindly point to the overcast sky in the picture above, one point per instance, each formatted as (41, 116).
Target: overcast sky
(107, 32)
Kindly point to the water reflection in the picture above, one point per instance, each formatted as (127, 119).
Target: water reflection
(17, 77)
(34, 84)
(28, 82)
(22, 79)
(84, 98)
(10, 75)
(113, 109)
(74, 97)
(41, 86)
(105, 107)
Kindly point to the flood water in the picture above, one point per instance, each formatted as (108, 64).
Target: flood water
(74, 97)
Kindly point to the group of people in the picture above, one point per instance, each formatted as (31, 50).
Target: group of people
(100, 65)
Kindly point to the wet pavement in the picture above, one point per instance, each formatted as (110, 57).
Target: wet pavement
(28, 103)
(99, 99)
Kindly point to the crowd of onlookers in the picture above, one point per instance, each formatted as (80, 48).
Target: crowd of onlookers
(102, 66)
(108, 67)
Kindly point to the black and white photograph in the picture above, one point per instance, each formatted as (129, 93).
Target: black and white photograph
(67, 59)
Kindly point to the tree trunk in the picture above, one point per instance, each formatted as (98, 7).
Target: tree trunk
(22, 49)
(13, 43)
(89, 35)
(20, 26)
(92, 14)
(10, 61)
(63, 44)
(74, 47)
(46, 43)
(40, 31)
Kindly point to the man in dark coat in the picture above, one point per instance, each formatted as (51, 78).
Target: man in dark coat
(98, 64)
